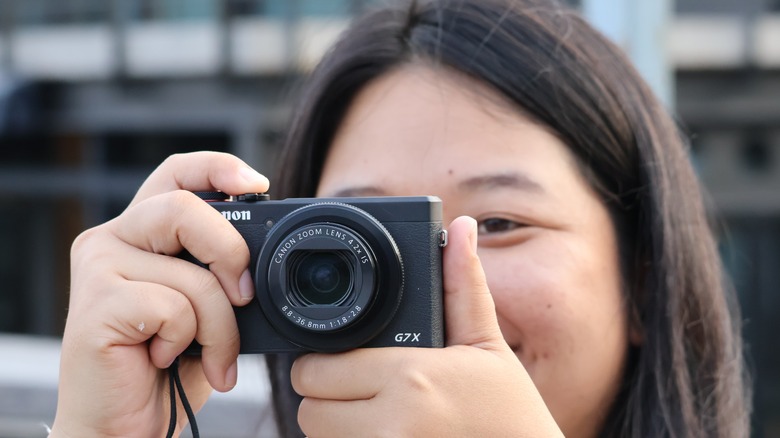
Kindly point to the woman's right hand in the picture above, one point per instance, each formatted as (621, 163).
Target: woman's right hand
(134, 307)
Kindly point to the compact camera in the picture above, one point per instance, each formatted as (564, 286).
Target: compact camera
(333, 274)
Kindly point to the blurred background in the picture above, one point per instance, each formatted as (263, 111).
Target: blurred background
(95, 93)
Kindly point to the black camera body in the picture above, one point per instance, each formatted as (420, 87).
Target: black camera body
(333, 274)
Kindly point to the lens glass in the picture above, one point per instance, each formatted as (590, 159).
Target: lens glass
(322, 277)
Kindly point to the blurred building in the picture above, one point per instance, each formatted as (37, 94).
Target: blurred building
(95, 93)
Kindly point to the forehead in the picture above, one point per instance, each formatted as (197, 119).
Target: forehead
(418, 126)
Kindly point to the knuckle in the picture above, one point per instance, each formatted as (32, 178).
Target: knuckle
(231, 250)
(218, 332)
(417, 381)
(179, 160)
(179, 307)
(237, 249)
(206, 284)
(221, 346)
(220, 159)
(232, 343)
(178, 310)
(179, 201)
(234, 338)
(207, 292)
(92, 271)
(174, 160)
(176, 206)
(91, 249)
(83, 242)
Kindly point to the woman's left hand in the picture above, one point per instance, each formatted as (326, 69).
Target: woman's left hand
(475, 386)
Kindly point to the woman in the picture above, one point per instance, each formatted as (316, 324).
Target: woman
(590, 304)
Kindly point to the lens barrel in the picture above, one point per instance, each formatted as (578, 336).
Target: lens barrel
(329, 277)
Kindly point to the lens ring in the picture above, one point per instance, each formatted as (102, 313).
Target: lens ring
(300, 305)
(378, 280)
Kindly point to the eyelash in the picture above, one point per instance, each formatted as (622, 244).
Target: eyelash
(507, 225)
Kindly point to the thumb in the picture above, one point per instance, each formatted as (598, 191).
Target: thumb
(470, 313)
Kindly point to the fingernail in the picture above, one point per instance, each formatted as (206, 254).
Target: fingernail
(231, 376)
(245, 286)
(473, 235)
(253, 177)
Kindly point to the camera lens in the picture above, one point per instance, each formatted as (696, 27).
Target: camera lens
(329, 277)
(321, 277)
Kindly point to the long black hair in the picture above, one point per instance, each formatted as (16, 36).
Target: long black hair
(686, 378)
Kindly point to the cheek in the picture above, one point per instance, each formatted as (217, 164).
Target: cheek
(554, 296)
(531, 299)
(561, 306)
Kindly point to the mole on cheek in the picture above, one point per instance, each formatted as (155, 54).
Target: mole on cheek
(450, 172)
(549, 306)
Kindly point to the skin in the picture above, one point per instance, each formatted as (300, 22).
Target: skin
(112, 377)
(551, 298)
(546, 243)
(134, 308)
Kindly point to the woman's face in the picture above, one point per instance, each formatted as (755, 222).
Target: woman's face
(546, 242)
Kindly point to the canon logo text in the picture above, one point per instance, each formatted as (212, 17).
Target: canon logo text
(235, 215)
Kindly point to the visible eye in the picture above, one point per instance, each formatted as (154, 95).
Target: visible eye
(497, 225)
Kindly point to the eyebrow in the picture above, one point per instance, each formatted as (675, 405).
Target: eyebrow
(516, 181)
(358, 192)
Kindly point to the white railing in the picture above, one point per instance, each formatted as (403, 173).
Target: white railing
(267, 46)
(168, 49)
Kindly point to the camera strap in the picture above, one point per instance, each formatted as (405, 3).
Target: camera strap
(174, 385)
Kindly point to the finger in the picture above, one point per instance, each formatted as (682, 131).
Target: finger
(198, 388)
(178, 327)
(215, 328)
(173, 221)
(329, 418)
(138, 311)
(202, 171)
(469, 310)
(354, 375)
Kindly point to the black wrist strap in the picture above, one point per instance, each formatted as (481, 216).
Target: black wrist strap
(174, 385)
